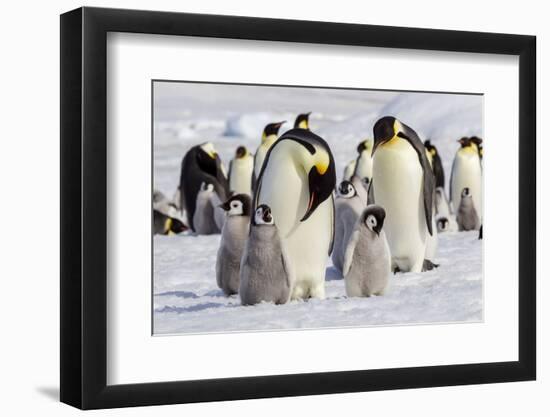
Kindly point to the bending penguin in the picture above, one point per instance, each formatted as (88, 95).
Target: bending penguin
(363, 166)
(437, 165)
(302, 121)
(266, 273)
(166, 225)
(297, 183)
(348, 207)
(403, 183)
(269, 136)
(201, 164)
(466, 173)
(241, 168)
(466, 215)
(367, 262)
(234, 235)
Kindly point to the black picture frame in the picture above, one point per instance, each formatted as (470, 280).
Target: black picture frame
(84, 207)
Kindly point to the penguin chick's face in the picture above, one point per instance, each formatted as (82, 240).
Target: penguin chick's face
(387, 130)
(302, 121)
(263, 216)
(465, 192)
(271, 129)
(442, 224)
(241, 152)
(207, 187)
(237, 205)
(373, 217)
(346, 189)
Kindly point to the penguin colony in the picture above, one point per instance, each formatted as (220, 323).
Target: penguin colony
(281, 214)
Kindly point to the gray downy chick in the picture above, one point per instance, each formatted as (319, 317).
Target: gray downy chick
(466, 215)
(349, 207)
(203, 218)
(266, 273)
(232, 243)
(367, 264)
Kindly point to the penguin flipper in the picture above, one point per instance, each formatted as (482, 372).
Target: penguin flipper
(332, 225)
(350, 249)
(428, 174)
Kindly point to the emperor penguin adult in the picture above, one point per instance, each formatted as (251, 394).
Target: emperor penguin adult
(437, 165)
(201, 164)
(297, 181)
(348, 208)
(363, 166)
(166, 225)
(302, 121)
(234, 235)
(467, 173)
(269, 137)
(403, 183)
(367, 264)
(241, 168)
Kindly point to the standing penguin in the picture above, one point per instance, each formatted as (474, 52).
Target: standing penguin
(241, 168)
(234, 235)
(350, 169)
(302, 121)
(437, 165)
(367, 264)
(466, 172)
(403, 183)
(297, 182)
(348, 207)
(441, 203)
(200, 164)
(203, 218)
(266, 273)
(466, 215)
(269, 137)
(363, 166)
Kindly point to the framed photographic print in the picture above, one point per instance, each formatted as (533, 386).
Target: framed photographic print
(257, 208)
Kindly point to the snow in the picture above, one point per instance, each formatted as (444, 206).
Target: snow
(186, 298)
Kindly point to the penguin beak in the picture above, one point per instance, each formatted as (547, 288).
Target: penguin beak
(225, 206)
(322, 180)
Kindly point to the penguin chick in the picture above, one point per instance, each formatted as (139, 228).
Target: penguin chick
(166, 225)
(266, 274)
(348, 207)
(203, 218)
(234, 235)
(367, 264)
(466, 215)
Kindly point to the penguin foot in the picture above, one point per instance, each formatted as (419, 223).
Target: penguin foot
(396, 270)
(428, 265)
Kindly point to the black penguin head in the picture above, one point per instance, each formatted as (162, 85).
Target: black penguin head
(173, 225)
(465, 192)
(442, 224)
(207, 158)
(237, 205)
(373, 217)
(363, 146)
(241, 152)
(263, 216)
(431, 148)
(346, 189)
(302, 121)
(385, 129)
(272, 129)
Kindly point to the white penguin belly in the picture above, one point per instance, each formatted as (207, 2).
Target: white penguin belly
(467, 173)
(241, 176)
(285, 189)
(398, 182)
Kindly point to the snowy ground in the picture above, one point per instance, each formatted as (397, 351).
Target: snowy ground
(186, 298)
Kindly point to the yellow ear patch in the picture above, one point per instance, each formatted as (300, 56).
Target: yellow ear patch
(167, 226)
(321, 161)
(432, 151)
(303, 124)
